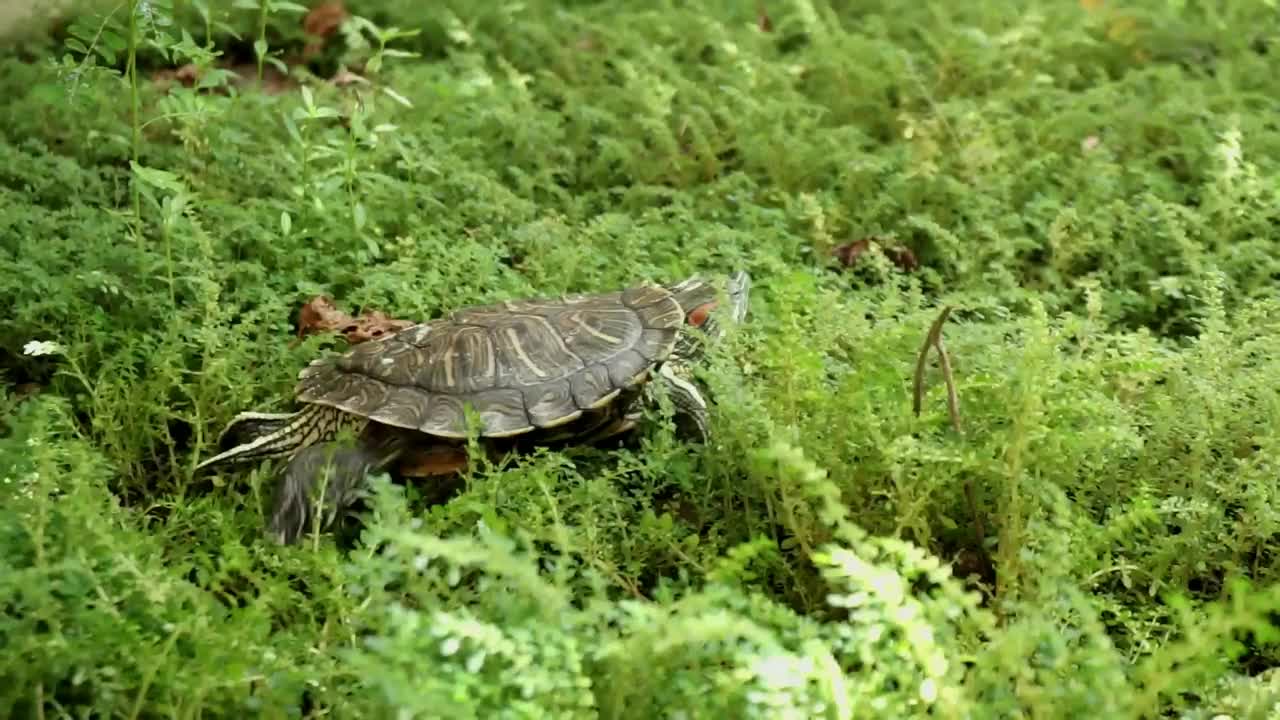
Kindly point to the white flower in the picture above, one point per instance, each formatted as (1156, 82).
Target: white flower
(42, 347)
(929, 690)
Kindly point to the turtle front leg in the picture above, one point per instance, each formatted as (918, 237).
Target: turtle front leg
(336, 469)
(691, 416)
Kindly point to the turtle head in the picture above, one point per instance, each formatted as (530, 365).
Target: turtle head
(703, 310)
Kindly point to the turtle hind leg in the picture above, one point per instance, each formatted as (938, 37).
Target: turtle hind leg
(257, 436)
(330, 475)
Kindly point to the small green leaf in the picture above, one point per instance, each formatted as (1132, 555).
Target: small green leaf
(286, 222)
(113, 40)
(227, 29)
(358, 215)
(161, 179)
(292, 127)
(107, 54)
(397, 97)
(282, 6)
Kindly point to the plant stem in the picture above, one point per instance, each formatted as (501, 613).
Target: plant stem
(208, 29)
(135, 110)
(262, 37)
(168, 261)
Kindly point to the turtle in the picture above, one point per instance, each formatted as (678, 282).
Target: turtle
(541, 371)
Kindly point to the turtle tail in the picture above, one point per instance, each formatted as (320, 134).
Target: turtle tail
(257, 436)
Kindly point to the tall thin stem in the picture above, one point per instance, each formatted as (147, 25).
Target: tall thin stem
(261, 46)
(135, 109)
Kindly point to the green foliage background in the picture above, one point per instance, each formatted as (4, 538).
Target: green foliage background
(1092, 186)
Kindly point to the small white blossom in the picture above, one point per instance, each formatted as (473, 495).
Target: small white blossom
(929, 690)
(36, 348)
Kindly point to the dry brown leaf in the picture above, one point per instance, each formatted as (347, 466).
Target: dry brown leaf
(762, 19)
(325, 18)
(343, 78)
(188, 75)
(164, 79)
(243, 75)
(274, 82)
(587, 43)
(320, 23)
(319, 314)
(903, 258)
(849, 253)
(373, 325)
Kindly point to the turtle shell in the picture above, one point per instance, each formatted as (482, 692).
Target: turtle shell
(522, 365)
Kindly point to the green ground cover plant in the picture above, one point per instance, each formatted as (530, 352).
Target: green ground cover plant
(1092, 187)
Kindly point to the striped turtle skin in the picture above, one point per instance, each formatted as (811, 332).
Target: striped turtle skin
(538, 371)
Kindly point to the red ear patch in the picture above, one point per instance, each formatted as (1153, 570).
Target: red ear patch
(699, 315)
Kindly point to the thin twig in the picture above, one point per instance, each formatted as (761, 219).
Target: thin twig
(933, 339)
(953, 399)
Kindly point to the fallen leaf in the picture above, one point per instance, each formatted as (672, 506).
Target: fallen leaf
(319, 314)
(374, 325)
(324, 19)
(903, 258)
(849, 253)
(274, 82)
(164, 79)
(188, 74)
(762, 19)
(243, 75)
(343, 78)
(320, 23)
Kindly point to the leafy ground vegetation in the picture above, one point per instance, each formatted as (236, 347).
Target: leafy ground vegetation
(1091, 186)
